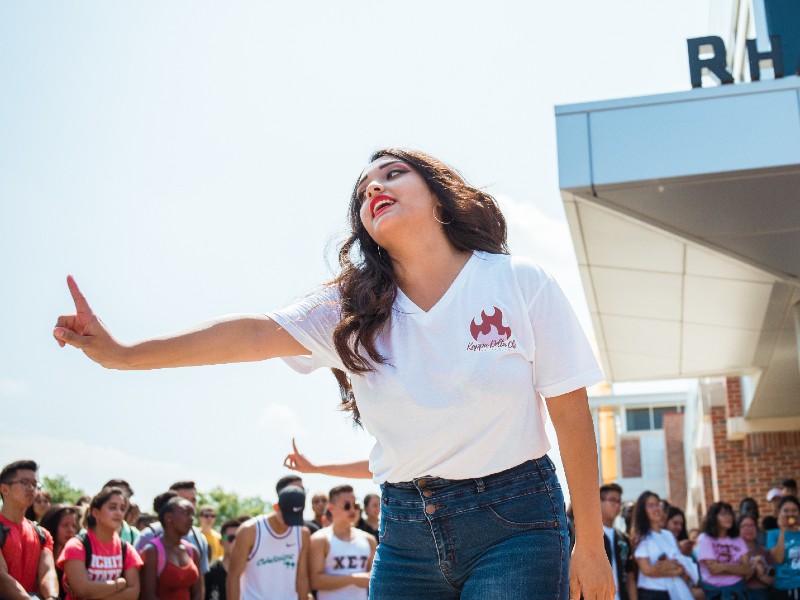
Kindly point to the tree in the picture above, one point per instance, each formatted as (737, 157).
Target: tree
(229, 505)
(61, 492)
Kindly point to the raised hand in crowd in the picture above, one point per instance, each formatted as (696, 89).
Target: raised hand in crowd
(298, 462)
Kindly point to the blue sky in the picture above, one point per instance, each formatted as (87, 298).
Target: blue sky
(189, 159)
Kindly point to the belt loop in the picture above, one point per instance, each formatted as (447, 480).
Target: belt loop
(479, 484)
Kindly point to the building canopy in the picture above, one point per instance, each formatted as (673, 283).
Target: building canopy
(685, 215)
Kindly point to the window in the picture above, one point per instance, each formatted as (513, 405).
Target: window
(638, 419)
(645, 419)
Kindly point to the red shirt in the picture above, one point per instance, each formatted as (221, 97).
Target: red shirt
(22, 550)
(106, 565)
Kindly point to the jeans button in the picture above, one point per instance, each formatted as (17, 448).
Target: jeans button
(422, 483)
(430, 509)
(427, 493)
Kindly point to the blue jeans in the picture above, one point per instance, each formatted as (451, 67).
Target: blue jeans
(503, 536)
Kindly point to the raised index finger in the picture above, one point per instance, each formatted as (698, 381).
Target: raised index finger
(80, 302)
(294, 447)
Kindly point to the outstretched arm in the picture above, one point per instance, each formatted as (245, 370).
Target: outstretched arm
(354, 470)
(590, 571)
(233, 338)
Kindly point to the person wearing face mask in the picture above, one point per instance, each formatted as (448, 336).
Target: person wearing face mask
(784, 549)
(447, 348)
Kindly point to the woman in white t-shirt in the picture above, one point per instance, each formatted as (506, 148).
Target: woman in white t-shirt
(664, 572)
(445, 348)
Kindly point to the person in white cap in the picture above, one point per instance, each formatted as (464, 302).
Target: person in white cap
(268, 559)
(771, 521)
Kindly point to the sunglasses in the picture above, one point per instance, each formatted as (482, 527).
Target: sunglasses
(208, 515)
(229, 538)
(347, 506)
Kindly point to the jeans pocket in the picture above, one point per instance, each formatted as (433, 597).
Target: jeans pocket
(528, 511)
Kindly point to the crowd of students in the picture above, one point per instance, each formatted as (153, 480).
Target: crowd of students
(734, 555)
(105, 548)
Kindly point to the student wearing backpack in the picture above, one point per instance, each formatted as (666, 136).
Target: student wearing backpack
(97, 564)
(171, 568)
(26, 549)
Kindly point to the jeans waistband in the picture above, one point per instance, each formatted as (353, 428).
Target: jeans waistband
(522, 470)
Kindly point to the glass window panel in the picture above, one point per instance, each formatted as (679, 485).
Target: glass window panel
(638, 419)
(658, 415)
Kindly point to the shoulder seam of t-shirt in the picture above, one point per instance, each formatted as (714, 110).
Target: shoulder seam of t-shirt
(515, 263)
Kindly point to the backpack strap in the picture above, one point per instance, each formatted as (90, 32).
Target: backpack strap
(5, 530)
(124, 545)
(161, 554)
(87, 548)
(39, 534)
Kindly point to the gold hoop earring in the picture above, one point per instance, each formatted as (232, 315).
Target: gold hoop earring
(439, 220)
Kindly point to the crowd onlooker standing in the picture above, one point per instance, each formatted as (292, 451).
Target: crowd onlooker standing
(784, 549)
(187, 491)
(663, 570)
(340, 556)
(171, 563)
(217, 576)
(760, 580)
(26, 550)
(372, 510)
(617, 543)
(269, 558)
(722, 554)
(41, 504)
(98, 564)
(63, 523)
(207, 519)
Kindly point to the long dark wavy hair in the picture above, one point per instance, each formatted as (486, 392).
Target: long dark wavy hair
(641, 522)
(710, 525)
(471, 220)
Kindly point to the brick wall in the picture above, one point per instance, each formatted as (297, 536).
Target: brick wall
(729, 459)
(676, 465)
(770, 458)
(631, 456)
(749, 467)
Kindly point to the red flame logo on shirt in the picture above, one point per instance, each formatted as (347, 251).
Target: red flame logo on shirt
(485, 327)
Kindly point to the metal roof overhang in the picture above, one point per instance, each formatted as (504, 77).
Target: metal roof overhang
(685, 215)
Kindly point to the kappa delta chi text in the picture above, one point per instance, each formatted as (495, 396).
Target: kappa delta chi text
(288, 560)
(105, 568)
(494, 344)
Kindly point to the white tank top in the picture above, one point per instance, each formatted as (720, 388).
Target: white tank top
(345, 558)
(271, 572)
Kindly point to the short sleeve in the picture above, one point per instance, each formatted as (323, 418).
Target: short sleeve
(772, 538)
(48, 540)
(704, 549)
(132, 558)
(73, 550)
(311, 322)
(563, 357)
(643, 549)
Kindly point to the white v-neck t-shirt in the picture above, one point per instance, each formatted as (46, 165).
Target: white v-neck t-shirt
(460, 395)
